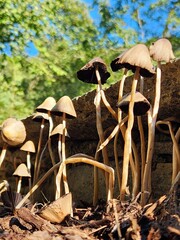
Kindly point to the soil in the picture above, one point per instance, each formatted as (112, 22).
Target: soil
(115, 220)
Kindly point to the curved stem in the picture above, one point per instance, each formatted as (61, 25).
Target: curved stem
(102, 166)
(176, 160)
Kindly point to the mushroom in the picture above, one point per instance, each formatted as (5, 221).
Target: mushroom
(138, 60)
(171, 125)
(13, 133)
(39, 117)
(21, 171)
(161, 50)
(96, 72)
(29, 148)
(46, 107)
(64, 107)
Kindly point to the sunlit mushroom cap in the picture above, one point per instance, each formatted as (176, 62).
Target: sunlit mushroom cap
(137, 56)
(28, 147)
(161, 50)
(64, 105)
(47, 105)
(162, 125)
(22, 171)
(87, 73)
(38, 116)
(58, 130)
(141, 104)
(13, 132)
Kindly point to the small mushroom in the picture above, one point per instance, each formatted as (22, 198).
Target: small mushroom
(29, 148)
(39, 117)
(64, 107)
(13, 133)
(96, 72)
(141, 104)
(46, 107)
(21, 171)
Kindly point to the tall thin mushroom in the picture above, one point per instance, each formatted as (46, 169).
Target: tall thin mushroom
(138, 60)
(64, 108)
(160, 51)
(95, 72)
(21, 171)
(42, 118)
(13, 133)
(29, 148)
(46, 107)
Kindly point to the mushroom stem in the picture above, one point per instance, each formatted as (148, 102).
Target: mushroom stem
(60, 147)
(99, 121)
(38, 152)
(58, 180)
(96, 177)
(146, 186)
(120, 93)
(127, 146)
(3, 154)
(141, 132)
(19, 184)
(29, 167)
(176, 160)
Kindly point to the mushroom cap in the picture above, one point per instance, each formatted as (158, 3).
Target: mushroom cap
(137, 56)
(87, 73)
(64, 105)
(38, 116)
(47, 105)
(22, 171)
(162, 125)
(13, 132)
(141, 104)
(58, 130)
(28, 147)
(161, 50)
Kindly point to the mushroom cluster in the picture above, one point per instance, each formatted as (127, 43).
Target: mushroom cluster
(131, 105)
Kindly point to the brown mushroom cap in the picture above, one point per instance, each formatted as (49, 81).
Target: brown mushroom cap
(161, 50)
(87, 73)
(28, 147)
(141, 104)
(38, 116)
(59, 130)
(137, 56)
(174, 120)
(64, 105)
(47, 105)
(13, 132)
(21, 171)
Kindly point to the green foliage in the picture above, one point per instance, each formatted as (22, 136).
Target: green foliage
(65, 38)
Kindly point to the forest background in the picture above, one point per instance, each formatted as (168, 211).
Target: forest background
(44, 43)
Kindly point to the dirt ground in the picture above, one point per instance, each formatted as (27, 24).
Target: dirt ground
(117, 220)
